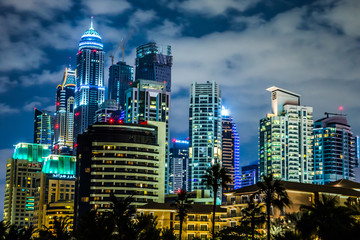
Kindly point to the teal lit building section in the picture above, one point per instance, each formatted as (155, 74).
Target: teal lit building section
(59, 165)
(32, 152)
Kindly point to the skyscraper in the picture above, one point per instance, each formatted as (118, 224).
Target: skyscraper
(205, 130)
(230, 149)
(249, 175)
(106, 111)
(64, 115)
(120, 79)
(23, 171)
(43, 127)
(285, 138)
(126, 159)
(334, 150)
(90, 88)
(152, 64)
(149, 101)
(178, 165)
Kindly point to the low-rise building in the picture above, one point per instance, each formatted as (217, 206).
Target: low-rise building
(198, 222)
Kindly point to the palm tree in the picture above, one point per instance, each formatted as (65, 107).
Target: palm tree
(325, 219)
(216, 177)
(123, 214)
(252, 215)
(274, 195)
(60, 231)
(182, 205)
(19, 233)
(167, 234)
(95, 226)
(146, 228)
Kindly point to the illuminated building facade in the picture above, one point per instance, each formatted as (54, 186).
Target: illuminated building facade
(126, 159)
(56, 190)
(120, 79)
(149, 101)
(249, 175)
(152, 64)
(285, 139)
(106, 111)
(43, 127)
(23, 171)
(64, 115)
(205, 130)
(90, 88)
(230, 150)
(334, 150)
(178, 165)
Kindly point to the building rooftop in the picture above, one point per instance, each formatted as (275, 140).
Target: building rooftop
(196, 208)
(343, 187)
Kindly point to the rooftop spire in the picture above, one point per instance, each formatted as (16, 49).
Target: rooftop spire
(91, 25)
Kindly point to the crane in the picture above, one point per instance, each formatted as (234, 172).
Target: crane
(122, 44)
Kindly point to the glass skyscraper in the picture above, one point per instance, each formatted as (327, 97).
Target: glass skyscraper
(152, 64)
(178, 165)
(120, 79)
(285, 139)
(230, 150)
(90, 89)
(64, 115)
(205, 130)
(43, 127)
(334, 150)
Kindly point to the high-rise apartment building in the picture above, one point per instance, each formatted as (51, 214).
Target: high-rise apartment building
(23, 171)
(178, 165)
(43, 127)
(90, 88)
(334, 150)
(64, 115)
(230, 150)
(121, 77)
(152, 64)
(56, 191)
(205, 130)
(150, 101)
(285, 138)
(125, 159)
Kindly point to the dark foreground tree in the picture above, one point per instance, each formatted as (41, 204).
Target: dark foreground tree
(146, 227)
(252, 215)
(182, 205)
(327, 220)
(167, 234)
(274, 195)
(216, 177)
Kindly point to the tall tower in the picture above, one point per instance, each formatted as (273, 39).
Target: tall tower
(205, 129)
(178, 165)
(23, 171)
(152, 64)
(285, 139)
(120, 79)
(90, 89)
(43, 127)
(334, 150)
(64, 115)
(150, 101)
(230, 149)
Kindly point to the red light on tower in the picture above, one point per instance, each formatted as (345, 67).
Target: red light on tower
(57, 104)
(174, 140)
(111, 120)
(341, 108)
(120, 121)
(57, 126)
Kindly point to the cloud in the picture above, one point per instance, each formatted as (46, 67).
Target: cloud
(166, 30)
(45, 77)
(141, 17)
(35, 102)
(6, 109)
(211, 8)
(6, 84)
(107, 7)
(39, 8)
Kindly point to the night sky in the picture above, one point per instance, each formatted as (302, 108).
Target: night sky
(308, 47)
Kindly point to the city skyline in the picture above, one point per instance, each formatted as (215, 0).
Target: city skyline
(254, 46)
